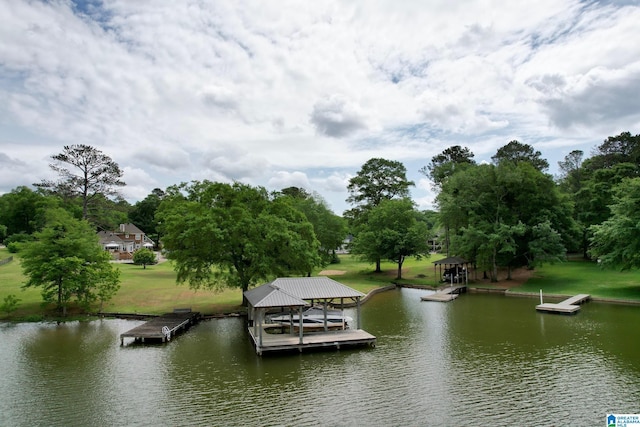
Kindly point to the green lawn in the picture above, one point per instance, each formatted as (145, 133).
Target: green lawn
(584, 277)
(154, 290)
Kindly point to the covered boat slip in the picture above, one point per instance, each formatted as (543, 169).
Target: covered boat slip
(295, 295)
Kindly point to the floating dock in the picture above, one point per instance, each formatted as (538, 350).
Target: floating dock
(271, 343)
(568, 306)
(162, 328)
(447, 294)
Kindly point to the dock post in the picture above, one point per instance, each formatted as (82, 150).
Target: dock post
(541, 297)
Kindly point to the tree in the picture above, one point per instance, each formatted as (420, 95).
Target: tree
(499, 214)
(21, 210)
(545, 247)
(623, 148)
(516, 152)
(234, 235)
(377, 180)
(616, 242)
(570, 171)
(143, 213)
(446, 163)
(91, 174)
(144, 257)
(66, 261)
(329, 228)
(393, 231)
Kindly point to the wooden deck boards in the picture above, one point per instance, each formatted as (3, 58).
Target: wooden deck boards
(568, 306)
(314, 340)
(447, 294)
(163, 327)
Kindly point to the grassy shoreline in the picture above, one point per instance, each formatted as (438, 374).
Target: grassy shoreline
(154, 290)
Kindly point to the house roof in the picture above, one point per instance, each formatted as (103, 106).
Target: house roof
(293, 291)
(107, 237)
(129, 228)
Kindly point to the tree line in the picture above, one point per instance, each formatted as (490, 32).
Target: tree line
(506, 214)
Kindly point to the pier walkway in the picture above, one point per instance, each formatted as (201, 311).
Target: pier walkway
(447, 294)
(162, 328)
(568, 306)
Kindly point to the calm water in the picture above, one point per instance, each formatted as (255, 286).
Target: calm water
(479, 360)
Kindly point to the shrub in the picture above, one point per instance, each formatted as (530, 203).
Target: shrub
(144, 257)
(10, 304)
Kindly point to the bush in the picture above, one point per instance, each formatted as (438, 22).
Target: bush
(10, 304)
(13, 242)
(144, 257)
(13, 247)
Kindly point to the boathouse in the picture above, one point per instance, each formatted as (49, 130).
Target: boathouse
(293, 295)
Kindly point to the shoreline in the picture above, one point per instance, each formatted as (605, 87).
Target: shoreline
(370, 294)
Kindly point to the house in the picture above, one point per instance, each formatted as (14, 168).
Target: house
(122, 243)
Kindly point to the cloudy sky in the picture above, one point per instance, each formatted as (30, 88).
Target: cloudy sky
(289, 93)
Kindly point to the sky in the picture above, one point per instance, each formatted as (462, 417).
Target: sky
(288, 93)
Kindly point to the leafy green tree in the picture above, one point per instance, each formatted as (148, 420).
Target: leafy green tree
(392, 230)
(622, 148)
(616, 242)
(447, 163)
(84, 172)
(3, 233)
(545, 246)
(66, 261)
(329, 228)
(143, 213)
(21, 210)
(499, 213)
(144, 257)
(515, 152)
(571, 171)
(234, 235)
(489, 241)
(377, 180)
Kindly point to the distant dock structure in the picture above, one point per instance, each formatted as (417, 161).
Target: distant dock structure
(568, 306)
(164, 327)
(445, 295)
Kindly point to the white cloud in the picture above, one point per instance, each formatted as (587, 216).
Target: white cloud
(269, 92)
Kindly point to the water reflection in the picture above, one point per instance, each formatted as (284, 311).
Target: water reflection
(481, 359)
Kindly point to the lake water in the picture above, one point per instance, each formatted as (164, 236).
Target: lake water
(479, 360)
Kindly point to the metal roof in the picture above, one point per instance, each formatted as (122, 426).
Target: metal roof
(270, 296)
(292, 291)
(451, 260)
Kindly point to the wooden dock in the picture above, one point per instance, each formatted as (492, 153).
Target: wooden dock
(162, 328)
(447, 294)
(269, 343)
(568, 306)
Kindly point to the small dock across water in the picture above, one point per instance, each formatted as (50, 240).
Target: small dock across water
(162, 328)
(447, 294)
(568, 306)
